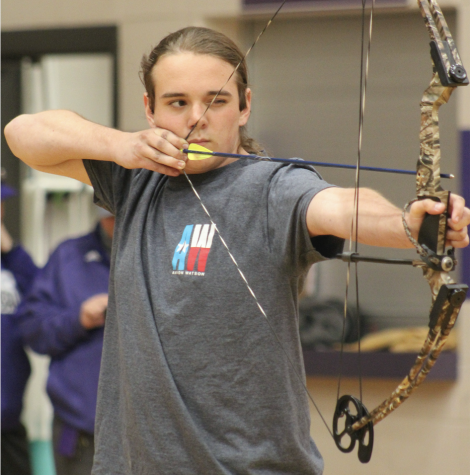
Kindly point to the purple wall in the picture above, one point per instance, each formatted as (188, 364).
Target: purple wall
(465, 189)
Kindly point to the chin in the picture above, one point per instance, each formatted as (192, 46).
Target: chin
(202, 166)
(194, 167)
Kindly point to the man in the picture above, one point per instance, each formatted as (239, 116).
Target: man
(192, 380)
(63, 316)
(18, 272)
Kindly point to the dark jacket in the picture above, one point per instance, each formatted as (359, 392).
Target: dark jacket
(18, 272)
(49, 319)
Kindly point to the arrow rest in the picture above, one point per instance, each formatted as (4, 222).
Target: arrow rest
(352, 410)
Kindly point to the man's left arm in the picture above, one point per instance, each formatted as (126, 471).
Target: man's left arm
(331, 212)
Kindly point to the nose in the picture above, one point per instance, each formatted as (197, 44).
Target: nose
(198, 116)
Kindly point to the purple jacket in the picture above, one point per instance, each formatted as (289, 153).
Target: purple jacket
(49, 320)
(18, 271)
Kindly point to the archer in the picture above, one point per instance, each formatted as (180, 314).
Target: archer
(190, 379)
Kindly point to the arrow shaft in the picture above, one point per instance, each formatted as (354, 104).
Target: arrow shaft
(307, 162)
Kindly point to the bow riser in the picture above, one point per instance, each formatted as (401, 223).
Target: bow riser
(428, 179)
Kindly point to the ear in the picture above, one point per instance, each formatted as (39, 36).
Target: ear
(148, 111)
(245, 113)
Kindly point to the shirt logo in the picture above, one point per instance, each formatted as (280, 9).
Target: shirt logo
(92, 256)
(194, 245)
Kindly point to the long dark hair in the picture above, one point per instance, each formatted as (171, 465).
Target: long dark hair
(201, 41)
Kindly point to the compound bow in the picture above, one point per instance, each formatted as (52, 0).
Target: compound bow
(435, 260)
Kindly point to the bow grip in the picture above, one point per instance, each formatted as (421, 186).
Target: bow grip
(432, 236)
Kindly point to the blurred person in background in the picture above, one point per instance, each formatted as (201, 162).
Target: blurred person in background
(63, 317)
(18, 272)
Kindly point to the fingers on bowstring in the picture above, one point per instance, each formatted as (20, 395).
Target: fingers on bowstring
(168, 143)
(160, 150)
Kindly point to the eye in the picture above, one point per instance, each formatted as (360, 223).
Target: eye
(219, 101)
(179, 103)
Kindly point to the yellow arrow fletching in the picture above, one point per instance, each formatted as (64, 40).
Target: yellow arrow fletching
(198, 148)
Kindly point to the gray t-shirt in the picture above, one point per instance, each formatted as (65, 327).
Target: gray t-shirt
(192, 380)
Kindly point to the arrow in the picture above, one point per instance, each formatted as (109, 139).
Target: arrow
(198, 152)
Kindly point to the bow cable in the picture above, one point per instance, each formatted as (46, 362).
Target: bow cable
(364, 75)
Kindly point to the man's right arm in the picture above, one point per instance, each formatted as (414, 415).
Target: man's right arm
(57, 141)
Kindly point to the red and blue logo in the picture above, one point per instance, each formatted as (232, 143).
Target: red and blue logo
(193, 248)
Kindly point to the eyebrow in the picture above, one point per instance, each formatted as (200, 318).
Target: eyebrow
(169, 95)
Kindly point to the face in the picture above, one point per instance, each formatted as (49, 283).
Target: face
(185, 84)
